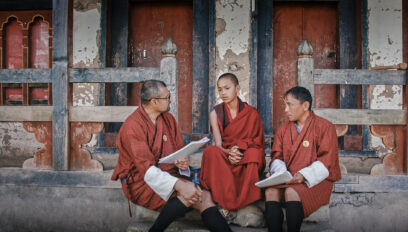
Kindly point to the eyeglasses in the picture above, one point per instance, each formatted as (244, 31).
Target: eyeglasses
(164, 98)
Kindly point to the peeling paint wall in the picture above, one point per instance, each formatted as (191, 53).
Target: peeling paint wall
(384, 48)
(233, 42)
(86, 42)
(17, 145)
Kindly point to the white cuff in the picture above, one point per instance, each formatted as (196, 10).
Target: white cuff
(278, 166)
(160, 181)
(314, 173)
(185, 172)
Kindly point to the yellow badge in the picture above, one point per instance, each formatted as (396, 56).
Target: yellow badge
(164, 138)
(306, 143)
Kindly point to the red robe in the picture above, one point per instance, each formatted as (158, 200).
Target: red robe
(233, 186)
(316, 141)
(141, 144)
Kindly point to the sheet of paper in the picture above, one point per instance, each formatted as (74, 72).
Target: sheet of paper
(275, 179)
(187, 150)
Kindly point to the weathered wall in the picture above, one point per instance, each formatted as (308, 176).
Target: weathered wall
(384, 48)
(86, 41)
(232, 44)
(17, 145)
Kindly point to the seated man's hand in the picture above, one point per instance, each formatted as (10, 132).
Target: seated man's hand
(182, 164)
(269, 174)
(188, 192)
(297, 179)
(234, 156)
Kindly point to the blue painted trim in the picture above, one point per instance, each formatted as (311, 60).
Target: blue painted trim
(367, 153)
(119, 43)
(364, 58)
(348, 55)
(211, 37)
(265, 64)
(253, 57)
(200, 66)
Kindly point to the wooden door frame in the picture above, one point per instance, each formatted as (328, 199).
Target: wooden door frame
(347, 44)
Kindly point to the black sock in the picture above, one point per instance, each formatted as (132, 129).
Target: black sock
(214, 221)
(294, 215)
(172, 210)
(273, 216)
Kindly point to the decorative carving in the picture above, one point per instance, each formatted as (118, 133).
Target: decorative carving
(386, 133)
(169, 48)
(43, 134)
(341, 130)
(305, 49)
(80, 159)
(393, 138)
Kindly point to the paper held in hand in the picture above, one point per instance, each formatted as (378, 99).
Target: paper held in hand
(184, 152)
(275, 179)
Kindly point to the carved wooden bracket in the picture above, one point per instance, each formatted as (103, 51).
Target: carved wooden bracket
(43, 134)
(80, 159)
(341, 130)
(393, 138)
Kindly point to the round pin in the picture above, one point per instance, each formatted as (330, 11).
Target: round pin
(306, 143)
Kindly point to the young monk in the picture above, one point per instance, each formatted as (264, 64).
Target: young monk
(306, 146)
(230, 169)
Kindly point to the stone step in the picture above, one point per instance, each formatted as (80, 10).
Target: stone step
(190, 226)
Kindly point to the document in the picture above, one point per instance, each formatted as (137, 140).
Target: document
(184, 152)
(275, 179)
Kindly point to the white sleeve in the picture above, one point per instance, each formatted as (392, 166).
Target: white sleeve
(186, 172)
(278, 166)
(160, 181)
(314, 173)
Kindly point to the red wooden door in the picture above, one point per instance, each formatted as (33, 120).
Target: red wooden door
(150, 24)
(292, 22)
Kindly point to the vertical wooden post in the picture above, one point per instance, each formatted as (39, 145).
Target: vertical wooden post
(168, 72)
(265, 64)
(118, 53)
(305, 66)
(348, 59)
(253, 56)
(60, 84)
(200, 66)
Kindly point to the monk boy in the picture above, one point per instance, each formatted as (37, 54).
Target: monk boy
(306, 146)
(147, 135)
(230, 169)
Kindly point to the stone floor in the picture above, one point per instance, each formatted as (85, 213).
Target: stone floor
(183, 226)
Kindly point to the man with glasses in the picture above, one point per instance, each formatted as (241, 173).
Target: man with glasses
(147, 135)
(306, 146)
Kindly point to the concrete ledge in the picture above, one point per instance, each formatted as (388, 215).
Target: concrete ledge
(34, 200)
(26, 177)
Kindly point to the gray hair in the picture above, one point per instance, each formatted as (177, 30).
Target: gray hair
(150, 90)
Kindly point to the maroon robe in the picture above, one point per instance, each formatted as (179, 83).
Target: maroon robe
(233, 186)
(141, 144)
(316, 141)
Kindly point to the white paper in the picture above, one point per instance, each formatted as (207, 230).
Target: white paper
(275, 179)
(184, 152)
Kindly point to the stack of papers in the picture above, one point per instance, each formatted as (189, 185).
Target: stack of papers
(275, 179)
(184, 152)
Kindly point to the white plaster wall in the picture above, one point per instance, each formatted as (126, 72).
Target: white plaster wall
(384, 48)
(86, 40)
(86, 29)
(233, 28)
